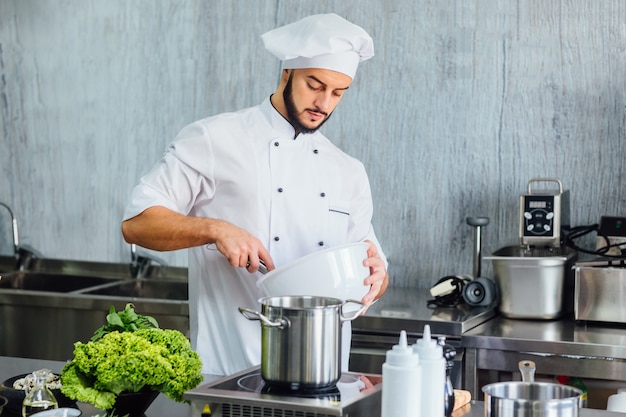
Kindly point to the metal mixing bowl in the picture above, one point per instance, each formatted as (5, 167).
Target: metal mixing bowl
(531, 399)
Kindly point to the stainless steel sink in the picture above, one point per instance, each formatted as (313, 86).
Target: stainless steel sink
(80, 268)
(56, 302)
(144, 288)
(36, 281)
(7, 263)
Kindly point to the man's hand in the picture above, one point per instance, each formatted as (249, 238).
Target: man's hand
(241, 248)
(162, 229)
(378, 279)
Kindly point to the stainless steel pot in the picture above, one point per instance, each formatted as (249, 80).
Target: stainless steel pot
(529, 398)
(534, 282)
(301, 339)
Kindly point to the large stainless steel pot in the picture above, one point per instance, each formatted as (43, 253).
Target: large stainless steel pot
(301, 339)
(529, 398)
(534, 282)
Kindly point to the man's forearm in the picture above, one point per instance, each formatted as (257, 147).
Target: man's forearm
(161, 229)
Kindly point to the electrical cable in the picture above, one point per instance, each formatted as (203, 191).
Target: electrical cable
(452, 299)
(571, 233)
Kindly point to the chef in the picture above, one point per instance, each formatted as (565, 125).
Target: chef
(261, 184)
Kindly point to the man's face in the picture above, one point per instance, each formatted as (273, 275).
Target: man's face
(311, 95)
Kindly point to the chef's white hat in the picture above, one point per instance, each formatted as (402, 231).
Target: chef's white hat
(320, 41)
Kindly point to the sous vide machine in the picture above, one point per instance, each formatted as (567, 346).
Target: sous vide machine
(535, 278)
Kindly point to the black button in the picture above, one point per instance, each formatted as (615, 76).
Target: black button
(322, 194)
(276, 238)
(276, 143)
(316, 151)
(321, 243)
(280, 190)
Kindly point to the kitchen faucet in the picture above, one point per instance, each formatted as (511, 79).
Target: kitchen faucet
(23, 254)
(16, 240)
(140, 264)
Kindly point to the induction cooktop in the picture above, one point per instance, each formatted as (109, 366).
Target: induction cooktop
(246, 394)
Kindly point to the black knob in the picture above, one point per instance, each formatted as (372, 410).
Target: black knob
(477, 221)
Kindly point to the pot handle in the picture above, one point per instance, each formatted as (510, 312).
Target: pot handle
(527, 368)
(282, 323)
(352, 314)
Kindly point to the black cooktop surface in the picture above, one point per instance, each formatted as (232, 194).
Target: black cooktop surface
(248, 388)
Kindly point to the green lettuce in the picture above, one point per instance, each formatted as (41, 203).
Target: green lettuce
(153, 359)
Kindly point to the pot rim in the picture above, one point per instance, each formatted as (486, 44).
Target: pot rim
(329, 302)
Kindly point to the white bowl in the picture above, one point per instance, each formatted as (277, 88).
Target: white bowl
(336, 272)
(59, 412)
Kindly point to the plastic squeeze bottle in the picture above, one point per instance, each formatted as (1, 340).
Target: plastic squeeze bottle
(617, 402)
(401, 381)
(433, 368)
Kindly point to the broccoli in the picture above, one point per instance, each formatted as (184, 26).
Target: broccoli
(155, 359)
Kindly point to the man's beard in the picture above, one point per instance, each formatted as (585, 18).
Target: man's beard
(292, 113)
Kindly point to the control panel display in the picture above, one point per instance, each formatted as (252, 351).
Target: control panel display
(539, 216)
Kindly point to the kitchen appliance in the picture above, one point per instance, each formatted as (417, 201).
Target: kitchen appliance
(529, 398)
(301, 339)
(475, 290)
(480, 291)
(534, 282)
(543, 213)
(535, 279)
(247, 394)
(599, 291)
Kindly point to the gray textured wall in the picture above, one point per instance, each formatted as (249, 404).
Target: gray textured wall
(464, 102)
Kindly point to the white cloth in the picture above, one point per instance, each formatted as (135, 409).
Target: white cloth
(297, 196)
(325, 41)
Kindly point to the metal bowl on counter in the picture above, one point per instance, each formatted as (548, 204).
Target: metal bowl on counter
(529, 398)
(59, 412)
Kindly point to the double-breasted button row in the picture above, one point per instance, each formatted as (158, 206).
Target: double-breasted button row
(281, 189)
(277, 144)
(320, 243)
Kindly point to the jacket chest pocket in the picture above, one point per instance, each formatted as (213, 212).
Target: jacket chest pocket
(338, 223)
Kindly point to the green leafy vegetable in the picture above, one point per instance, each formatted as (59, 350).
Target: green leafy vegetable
(126, 320)
(130, 361)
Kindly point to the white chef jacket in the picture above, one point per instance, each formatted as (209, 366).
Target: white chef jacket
(296, 195)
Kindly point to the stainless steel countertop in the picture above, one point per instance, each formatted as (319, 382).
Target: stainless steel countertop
(476, 409)
(161, 407)
(164, 407)
(406, 309)
(563, 337)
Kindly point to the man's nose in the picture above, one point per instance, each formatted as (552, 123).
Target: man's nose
(324, 102)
